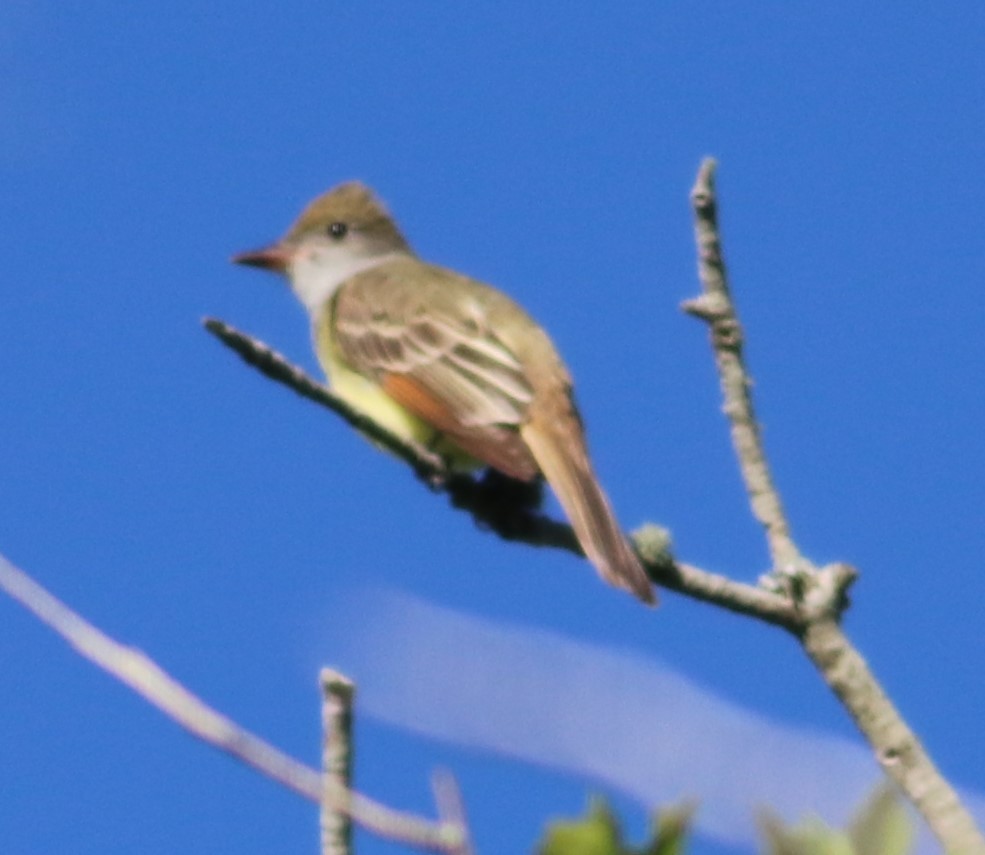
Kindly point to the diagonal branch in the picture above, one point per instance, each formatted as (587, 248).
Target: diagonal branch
(426, 464)
(842, 667)
(897, 748)
(495, 505)
(716, 308)
(145, 677)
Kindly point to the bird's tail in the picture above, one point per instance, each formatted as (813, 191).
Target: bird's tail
(557, 442)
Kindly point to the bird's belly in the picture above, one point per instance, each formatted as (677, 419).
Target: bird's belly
(368, 398)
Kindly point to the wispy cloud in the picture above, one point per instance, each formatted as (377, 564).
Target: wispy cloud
(631, 723)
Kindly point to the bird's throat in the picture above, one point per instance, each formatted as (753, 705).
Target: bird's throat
(316, 277)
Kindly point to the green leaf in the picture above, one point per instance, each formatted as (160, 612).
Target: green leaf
(809, 837)
(600, 833)
(881, 826)
(597, 834)
(671, 829)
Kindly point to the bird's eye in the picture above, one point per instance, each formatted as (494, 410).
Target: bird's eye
(338, 230)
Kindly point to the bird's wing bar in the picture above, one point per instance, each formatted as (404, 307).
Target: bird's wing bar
(432, 351)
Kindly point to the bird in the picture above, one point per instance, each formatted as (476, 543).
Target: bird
(442, 359)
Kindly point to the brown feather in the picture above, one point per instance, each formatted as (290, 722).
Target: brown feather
(499, 447)
(558, 445)
(468, 361)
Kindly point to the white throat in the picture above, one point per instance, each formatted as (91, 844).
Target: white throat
(316, 276)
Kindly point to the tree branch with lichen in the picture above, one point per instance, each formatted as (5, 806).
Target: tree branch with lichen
(842, 667)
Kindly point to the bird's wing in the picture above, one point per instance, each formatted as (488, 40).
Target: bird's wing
(427, 341)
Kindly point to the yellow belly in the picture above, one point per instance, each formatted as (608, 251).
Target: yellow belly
(369, 399)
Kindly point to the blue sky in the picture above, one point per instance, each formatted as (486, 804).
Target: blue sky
(210, 518)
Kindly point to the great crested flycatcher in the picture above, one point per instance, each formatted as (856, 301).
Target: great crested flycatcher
(444, 360)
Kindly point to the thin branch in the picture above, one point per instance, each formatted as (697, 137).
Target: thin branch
(513, 517)
(403, 827)
(716, 308)
(495, 503)
(895, 745)
(451, 807)
(819, 595)
(157, 687)
(338, 693)
(717, 590)
(147, 679)
(426, 464)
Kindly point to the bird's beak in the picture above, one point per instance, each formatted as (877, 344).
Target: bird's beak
(275, 257)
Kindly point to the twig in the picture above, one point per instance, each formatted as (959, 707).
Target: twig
(451, 807)
(483, 499)
(338, 692)
(491, 500)
(819, 595)
(147, 679)
(426, 464)
(403, 827)
(151, 682)
(716, 308)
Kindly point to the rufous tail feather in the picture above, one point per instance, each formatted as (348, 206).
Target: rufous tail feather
(558, 445)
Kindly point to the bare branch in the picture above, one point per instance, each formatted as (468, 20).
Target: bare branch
(147, 679)
(403, 827)
(716, 308)
(451, 808)
(151, 682)
(338, 693)
(817, 596)
(896, 746)
(426, 464)
(506, 507)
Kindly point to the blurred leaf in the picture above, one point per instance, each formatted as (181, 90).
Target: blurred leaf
(671, 830)
(597, 834)
(881, 826)
(809, 837)
(600, 833)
